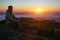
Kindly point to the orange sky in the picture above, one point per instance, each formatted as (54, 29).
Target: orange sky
(21, 9)
(30, 5)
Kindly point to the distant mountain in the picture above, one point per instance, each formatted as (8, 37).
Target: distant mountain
(56, 13)
(2, 13)
(22, 13)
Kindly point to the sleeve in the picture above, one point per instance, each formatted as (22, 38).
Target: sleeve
(14, 17)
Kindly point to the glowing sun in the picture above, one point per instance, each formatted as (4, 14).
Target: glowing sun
(38, 11)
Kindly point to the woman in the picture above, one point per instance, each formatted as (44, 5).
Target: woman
(10, 17)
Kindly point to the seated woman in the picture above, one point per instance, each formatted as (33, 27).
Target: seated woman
(10, 17)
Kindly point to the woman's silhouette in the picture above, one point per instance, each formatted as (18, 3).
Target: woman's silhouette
(10, 17)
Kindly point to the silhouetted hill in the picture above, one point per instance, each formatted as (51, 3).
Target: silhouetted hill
(34, 29)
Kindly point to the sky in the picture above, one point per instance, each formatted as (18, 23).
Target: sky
(45, 7)
(25, 5)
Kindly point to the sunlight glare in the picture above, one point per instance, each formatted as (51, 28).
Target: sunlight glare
(38, 11)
